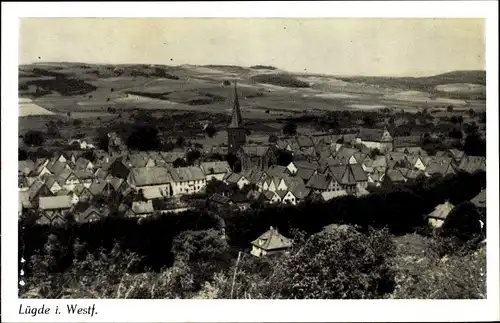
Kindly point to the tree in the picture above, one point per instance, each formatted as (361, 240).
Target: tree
(22, 154)
(179, 162)
(102, 140)
(77, 122)
(474, 145)
(204, 252)
(143, 138)
(290, 129)
(285, 157)
(456, 133)
(215, 186)
(375, 152)
(337, 265)
(210, 130)
(368, 120)
(192, 156)
(463, 221)
(273, 139)
(180, 141)
(34, 138)
(449, 108)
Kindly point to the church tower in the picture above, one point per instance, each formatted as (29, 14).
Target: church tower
(236, 133)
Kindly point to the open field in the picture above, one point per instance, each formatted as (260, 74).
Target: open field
(95, 93)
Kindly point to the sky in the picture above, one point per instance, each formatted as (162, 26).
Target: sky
(339, 46)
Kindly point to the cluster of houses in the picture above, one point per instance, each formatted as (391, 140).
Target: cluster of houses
(66, 183)
(322, 165)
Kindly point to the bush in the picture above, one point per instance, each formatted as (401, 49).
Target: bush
(280, 80)
(210, 130)
(290, 129)
(337, 265)
(143, 138)
(34, 138)
(77, 122)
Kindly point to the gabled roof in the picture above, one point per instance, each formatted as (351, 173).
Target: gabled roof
(413, 174)
(141, 207)
(319, 182)
(26, 166)
(276, 170)
(83, 174)
(359, 173)
(97, 187)
(337, 172)
(137, 160)
(472, 163)
(370, 134)
(269, 195)
(81, 163)
(233, 178)
(56, 167)
(255, 176)
(305, 174)
(281, 193)
(151, 193)
(51, 180)
(91, 211)
(435, 167)
(304, 164)
(395, 176)
(406, 141)
(79, 189)
(457, 154)
(360, 157)
(216, 167)
(300, 191)
(116, 182)
(217, 198)
(171, 156)
(64, 174)
(55, 202)
(255, 150)
(348, 177)
(272, 240)
(35, 188)
(441, 211)
(396, 156)
(304, 141)
(345, 153)
(145, 176)
(480, 200)
(184, 174)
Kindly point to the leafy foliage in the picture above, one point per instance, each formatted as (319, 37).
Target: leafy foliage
(34, 138)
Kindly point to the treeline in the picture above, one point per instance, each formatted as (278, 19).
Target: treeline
(151, 238)
(401, 211)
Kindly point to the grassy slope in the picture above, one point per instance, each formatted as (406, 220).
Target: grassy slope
(426, 84)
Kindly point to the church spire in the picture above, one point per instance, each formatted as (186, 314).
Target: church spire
(236, 121)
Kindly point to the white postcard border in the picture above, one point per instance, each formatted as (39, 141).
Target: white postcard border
(244, 310)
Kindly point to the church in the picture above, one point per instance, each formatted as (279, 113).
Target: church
(257, 157)
(236, 132)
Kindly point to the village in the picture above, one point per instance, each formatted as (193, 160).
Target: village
(69, 187)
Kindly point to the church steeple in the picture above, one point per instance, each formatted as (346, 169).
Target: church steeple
(236, 121)
(236, 133)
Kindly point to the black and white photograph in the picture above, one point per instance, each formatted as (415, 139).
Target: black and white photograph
(217, 158)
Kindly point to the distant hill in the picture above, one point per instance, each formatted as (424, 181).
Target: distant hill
(427, 83)
(284, 80)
